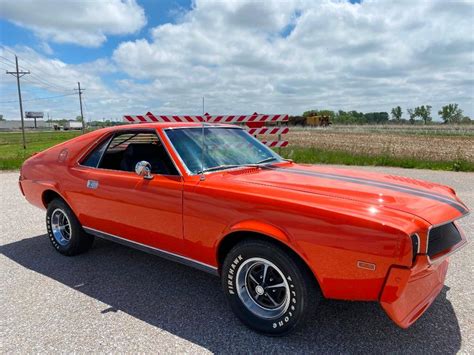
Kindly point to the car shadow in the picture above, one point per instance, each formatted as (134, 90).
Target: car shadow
(191, 305)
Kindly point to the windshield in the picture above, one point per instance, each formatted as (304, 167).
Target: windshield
(224, 148)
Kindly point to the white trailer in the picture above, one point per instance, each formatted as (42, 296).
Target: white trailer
(72, 125)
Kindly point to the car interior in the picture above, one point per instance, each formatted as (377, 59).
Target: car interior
(125, 150)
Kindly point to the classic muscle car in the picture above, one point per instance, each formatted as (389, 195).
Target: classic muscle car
(280, 235)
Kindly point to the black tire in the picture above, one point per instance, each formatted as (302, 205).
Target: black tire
(71, 240)
(272, 314)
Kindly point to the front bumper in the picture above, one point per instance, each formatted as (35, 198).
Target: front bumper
(408, 293)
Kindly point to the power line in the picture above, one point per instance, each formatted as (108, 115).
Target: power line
(41, 82)
(45, 85)
(42, 71)
(46, 82)
(8, 50)
(9, 60)
(39, 98)
(36, 69)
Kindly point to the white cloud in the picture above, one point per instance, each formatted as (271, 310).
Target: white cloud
(45, 48)
(85, 23)
(247, 56)
(50, 87)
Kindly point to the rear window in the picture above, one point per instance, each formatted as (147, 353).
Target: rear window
(121, 142)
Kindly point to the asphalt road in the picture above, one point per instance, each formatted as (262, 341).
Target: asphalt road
(115, 299)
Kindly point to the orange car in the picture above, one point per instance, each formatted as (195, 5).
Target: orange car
(280, 235)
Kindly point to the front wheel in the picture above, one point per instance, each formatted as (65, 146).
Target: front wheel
(268, 288)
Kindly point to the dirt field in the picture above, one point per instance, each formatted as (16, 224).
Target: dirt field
(420, 143)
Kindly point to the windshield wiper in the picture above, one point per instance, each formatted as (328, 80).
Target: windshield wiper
(219, 167)
(266, 160)
(230, 166)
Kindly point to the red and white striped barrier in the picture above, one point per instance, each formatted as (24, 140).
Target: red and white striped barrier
(150, 117)
(268, 130)
(275, 144)
(254, 122)
(247, 118)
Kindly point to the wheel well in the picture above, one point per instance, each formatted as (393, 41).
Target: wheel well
(48, 196)
(233, 239)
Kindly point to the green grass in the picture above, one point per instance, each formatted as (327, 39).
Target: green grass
(12, 154)
(322, 156)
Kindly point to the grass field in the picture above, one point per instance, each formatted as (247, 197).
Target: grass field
(424, 147)
(12, 153)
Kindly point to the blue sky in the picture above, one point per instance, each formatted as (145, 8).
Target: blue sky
(157, 13)
(243, 56)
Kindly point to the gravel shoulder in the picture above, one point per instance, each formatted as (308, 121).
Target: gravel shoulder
(115, 299)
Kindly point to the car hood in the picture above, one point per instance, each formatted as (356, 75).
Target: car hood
(433, 202)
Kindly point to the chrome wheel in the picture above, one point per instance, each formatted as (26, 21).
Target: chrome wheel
(60, 227)
(263, 288)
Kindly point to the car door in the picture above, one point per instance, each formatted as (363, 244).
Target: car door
(115, 201)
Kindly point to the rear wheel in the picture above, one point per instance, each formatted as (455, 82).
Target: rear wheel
(269, 289)
(65, 231)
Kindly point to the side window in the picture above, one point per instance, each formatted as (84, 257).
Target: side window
(128, 148)
(93, 157)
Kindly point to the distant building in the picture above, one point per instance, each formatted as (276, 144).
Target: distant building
(16, 124)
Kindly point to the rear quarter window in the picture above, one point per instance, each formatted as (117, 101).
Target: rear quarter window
(93, 158)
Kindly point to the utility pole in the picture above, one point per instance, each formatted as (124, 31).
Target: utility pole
(18, 74)
(79, 90)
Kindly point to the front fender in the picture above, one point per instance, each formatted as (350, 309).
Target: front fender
(270, 231)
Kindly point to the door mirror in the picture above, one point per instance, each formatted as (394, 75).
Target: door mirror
(143, 169)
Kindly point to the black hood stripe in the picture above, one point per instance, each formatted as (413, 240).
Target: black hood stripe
(386, 185)
(378, 182)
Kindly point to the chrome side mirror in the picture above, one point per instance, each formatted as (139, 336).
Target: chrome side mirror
(143, 169)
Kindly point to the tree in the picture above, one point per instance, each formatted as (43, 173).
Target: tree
(349, 117)
(310, 113)
(424, 112)
(397, 114)
(451, 113)
(466, 119)
(329, 113)
(78, 118)
(1, 118)
(412, 114)
(376, 117)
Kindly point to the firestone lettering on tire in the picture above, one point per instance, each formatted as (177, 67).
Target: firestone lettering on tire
(50, 233)
(230, 274)
(286, 317)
